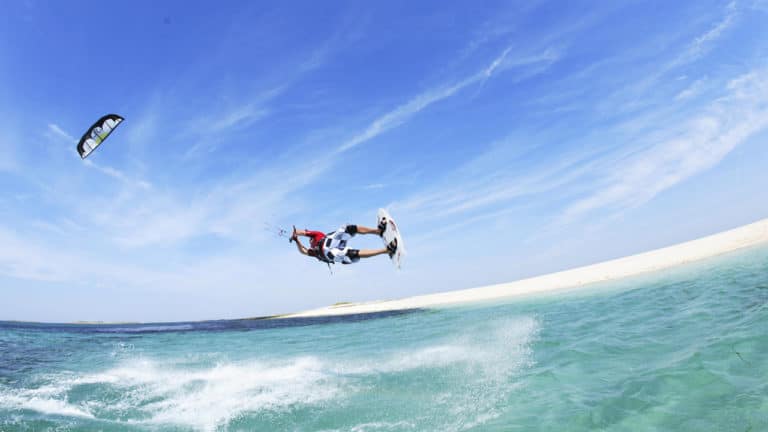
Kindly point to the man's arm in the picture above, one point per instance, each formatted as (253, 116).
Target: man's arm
(298, 232)
(300, 247)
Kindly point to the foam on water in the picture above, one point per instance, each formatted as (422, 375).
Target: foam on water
(506, 340)
(378, 427)
(28, 400)
(152, 392)
(142, 390)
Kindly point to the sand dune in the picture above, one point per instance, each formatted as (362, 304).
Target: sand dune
(727, 241)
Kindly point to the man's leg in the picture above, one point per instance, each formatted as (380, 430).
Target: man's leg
(366, 230)
(367, 253)
(351, 256)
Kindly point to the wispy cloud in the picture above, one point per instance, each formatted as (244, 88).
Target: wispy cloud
(622, 165)
(247, 108)
(373, 186)
(499, 176)
(117, 174)
(691, 91)
(632, 97)
(19, 258)
(210, 132)
(230, 208)
(142, 229)
(691, 147)
(239, 115)
(704, 42)
(61, 133)
(405, 112)
(26, 258)
(701, 44)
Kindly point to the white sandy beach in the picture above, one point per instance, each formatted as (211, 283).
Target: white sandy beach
(727, 241)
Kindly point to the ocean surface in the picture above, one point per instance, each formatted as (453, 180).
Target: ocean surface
(680, 350)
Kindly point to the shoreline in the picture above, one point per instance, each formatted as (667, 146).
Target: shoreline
(646, 262)
(720, 243)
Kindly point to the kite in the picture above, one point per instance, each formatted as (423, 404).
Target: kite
(97, 133)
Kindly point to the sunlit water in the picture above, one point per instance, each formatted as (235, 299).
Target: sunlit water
(683, 350)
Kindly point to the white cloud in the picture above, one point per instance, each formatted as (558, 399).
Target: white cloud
(233, 209)
(693, 90)
(634, 97)
(26, 258)
(61, 133)
(209, 131)
(623, 165)
(504, 172)
(373, 186)
(404, 112)
(21, 259)
(142, 129)
(691, 147)
(239, 115)
(703, 42)
(117, 174)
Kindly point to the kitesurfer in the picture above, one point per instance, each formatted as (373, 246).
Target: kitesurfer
(332, 248)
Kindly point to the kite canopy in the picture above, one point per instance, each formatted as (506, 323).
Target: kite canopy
(97, 133)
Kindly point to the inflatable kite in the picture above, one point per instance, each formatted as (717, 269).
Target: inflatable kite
(97, 133)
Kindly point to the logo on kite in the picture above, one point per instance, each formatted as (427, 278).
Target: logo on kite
(97, 133)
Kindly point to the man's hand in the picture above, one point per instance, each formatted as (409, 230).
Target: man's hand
(293, 236)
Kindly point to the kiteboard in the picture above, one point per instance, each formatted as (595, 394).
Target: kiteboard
(392, 232)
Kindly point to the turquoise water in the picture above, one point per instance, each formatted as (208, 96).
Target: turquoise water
(683, 350)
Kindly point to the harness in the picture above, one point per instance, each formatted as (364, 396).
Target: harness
(328, 242)
(318, 249)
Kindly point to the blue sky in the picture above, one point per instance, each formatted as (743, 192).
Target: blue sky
(509, 139)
